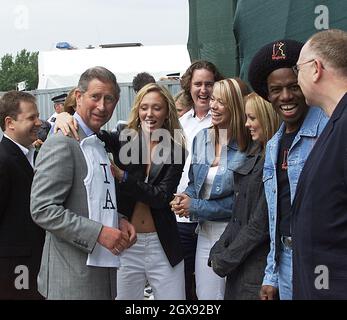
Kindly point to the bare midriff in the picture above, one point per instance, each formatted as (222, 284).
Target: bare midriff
(142, 218)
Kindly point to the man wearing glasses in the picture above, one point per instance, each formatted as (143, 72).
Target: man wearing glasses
(298, 66)
(319, 211)
(272, 77)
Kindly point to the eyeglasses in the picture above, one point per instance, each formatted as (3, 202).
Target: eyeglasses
(297, 67)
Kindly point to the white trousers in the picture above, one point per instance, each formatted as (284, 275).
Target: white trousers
(209, 286)
(146, 260)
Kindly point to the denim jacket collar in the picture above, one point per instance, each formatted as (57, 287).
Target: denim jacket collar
(309, 128)
(210, 134)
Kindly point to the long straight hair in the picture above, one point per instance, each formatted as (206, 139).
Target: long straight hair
(171, 124)
(268, 118)
(231, 96)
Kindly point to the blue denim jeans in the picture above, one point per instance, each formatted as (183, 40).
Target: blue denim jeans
(285, 273)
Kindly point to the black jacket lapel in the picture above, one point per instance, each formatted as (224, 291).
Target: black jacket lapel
(17, 153)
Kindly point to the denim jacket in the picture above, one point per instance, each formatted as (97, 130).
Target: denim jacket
(304, 141)
(220, 203)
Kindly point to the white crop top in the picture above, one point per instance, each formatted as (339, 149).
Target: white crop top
(208, 183)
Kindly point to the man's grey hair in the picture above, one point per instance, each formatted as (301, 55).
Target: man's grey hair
(100, 73)
(330, 45)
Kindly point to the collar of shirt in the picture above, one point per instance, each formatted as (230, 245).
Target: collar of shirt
(191, 114)
(192, 125)
(208, 114)
(84, 127)
(28, 152)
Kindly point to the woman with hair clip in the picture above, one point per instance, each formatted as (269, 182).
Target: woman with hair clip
(240, 253)
(216, 152)
(149, 155)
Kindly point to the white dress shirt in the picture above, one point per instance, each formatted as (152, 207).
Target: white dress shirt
(191, 125)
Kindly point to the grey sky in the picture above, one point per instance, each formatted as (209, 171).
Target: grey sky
(37, 25)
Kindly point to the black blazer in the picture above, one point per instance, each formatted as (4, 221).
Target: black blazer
(319, 216)
(156, 193)
(21, 240)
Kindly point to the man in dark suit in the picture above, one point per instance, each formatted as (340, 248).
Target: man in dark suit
(319, 222)
(21, 240)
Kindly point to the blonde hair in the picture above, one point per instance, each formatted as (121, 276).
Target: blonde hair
(70, 102)
(268, 118)
(183, 99)
(231, 96)
(171, 123)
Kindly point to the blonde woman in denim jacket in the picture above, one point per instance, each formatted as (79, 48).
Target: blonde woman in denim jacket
(209, 197)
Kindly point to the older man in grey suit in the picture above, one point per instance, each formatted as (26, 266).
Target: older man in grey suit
(73, 199)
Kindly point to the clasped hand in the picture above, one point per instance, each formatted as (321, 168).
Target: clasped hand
(117, 240)
(180, 204)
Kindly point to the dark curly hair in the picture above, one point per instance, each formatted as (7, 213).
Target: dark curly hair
(141, 79)
(188, 75)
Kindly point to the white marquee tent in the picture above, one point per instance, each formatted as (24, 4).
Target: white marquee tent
(62, 68)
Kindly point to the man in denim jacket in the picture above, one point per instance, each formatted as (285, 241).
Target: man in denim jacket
(272, 76)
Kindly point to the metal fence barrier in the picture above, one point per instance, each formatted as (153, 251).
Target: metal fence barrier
(45, 105)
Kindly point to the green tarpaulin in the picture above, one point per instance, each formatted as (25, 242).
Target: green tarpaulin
(210, 33)
(229, 32)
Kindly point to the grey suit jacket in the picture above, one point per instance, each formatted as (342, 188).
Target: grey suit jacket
(59, 205)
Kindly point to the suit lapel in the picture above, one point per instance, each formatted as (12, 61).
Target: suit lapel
(17, 153)
(334, 117)
(81, 133)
